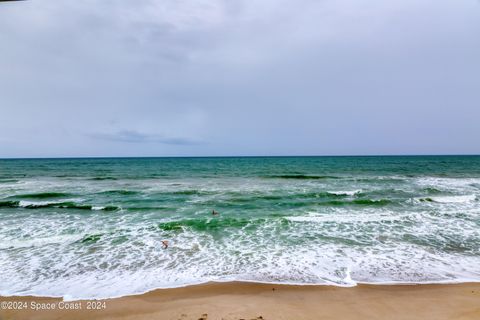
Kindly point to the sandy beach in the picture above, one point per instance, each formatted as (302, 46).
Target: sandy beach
(266, 301)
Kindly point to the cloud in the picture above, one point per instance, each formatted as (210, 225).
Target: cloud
(269, 77)
(132, 136)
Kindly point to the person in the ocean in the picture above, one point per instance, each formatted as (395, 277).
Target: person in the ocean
(214, 212)
(165, 244)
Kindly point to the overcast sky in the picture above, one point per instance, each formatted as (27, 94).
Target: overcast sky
(239, 77)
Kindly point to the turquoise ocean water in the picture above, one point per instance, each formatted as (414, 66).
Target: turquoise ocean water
(92, 228)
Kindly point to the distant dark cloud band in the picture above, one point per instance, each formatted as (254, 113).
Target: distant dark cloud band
(131, 136)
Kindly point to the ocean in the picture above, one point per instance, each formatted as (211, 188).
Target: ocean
(93, 228)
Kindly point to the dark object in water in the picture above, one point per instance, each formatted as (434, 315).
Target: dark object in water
(165, 244)
(214, 213)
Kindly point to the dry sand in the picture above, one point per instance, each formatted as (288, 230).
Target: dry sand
(265, 301)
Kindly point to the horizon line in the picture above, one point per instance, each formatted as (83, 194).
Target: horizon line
(241, 156)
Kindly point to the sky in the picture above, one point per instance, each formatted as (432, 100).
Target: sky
(239, 77)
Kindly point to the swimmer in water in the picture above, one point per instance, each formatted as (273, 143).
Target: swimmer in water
(165, 244)
(214, 213)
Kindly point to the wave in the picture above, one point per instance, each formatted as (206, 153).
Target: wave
(102, 178)
(379, 179)
(146, 208)
(188, 192)
(41, 195)
(239, 197)
(345, 193)
(60, 205)
(120, 192)
(347, 218)
(432, 190)
(137, 176)
(450, 199)
(301, 177)
(193, 192)
(91, 238)
(9, 204)
(105, 208)
(208, 224)
(292, 196)
(8, 180)
(38, 242)
(296, 200)
(362, 202)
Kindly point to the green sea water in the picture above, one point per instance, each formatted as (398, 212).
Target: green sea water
(93, 228)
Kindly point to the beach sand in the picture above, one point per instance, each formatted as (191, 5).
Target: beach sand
(237, 300)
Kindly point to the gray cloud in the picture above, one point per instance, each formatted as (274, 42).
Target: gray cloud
(269, 77)
(139, 137)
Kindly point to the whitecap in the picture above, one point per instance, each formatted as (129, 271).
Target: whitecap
(454, 199)
(345, 193)
(25, 204)
(38, 242)
(346, 218)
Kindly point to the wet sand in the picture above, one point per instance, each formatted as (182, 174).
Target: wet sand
(247, 301)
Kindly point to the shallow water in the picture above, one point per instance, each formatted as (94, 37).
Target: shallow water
(92, 228)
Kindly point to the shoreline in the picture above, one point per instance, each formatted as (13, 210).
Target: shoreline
(232, 282)
(250, 300)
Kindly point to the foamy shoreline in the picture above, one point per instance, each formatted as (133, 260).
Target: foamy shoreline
(351, 284)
